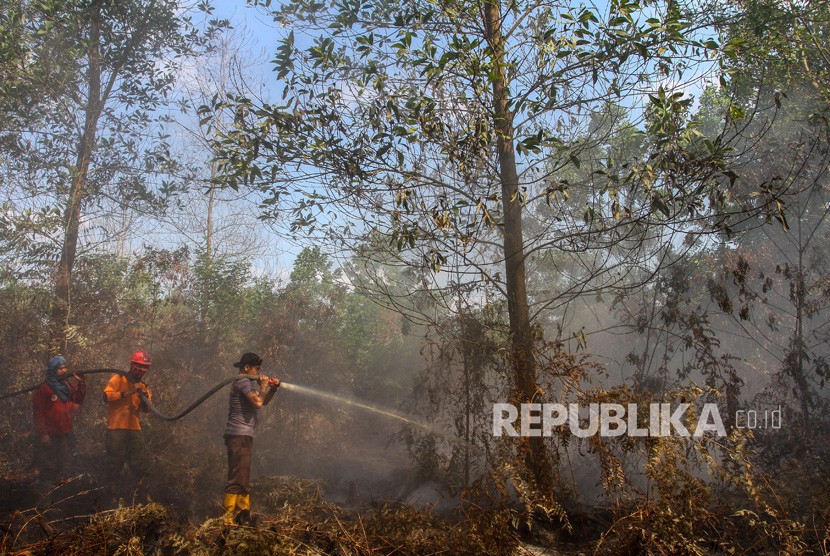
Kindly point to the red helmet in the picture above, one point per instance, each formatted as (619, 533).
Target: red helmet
(141, 357)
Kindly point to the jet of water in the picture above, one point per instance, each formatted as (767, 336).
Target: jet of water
(374, 409)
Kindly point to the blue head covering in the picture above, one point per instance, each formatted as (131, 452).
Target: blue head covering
(56, 383)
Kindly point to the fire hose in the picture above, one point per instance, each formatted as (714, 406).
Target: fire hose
(143, 394)
(194, 405)
(84, 372)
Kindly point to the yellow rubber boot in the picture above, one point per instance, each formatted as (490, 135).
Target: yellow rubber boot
(243, 504)
(229, 504)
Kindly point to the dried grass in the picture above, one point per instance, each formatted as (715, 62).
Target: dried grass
(294, 520)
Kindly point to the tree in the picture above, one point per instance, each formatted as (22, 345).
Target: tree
(439, 125)
(775, 94)
(221, 224)
(83, 117)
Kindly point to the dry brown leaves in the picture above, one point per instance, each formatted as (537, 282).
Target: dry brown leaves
(294, 519)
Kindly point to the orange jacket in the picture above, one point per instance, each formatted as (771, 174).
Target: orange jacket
(122, 413)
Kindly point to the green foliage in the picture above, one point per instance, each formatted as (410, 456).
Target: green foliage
(427, 158)
(781, 47)
(311, 280)
(344, 340)
(81, 123)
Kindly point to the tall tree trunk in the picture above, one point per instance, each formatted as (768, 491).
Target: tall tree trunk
(59, 323)
(521, 336)
(798, 343)
(205, 301)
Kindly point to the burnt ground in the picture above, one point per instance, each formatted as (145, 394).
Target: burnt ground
(292, 516)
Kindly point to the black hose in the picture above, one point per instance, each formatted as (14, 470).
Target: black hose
(142, 395)
(84, 372)
(195, 404)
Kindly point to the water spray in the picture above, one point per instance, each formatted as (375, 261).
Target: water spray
(354, 403)
(305, 390)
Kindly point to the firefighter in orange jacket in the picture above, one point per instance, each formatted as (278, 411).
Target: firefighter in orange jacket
(124, 440)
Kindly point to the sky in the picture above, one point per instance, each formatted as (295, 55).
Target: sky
(237, 226)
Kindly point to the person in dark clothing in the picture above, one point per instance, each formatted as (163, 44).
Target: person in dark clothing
(54, 404)
(247, 397)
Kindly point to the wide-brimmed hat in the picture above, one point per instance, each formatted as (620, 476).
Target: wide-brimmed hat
(251, 359)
